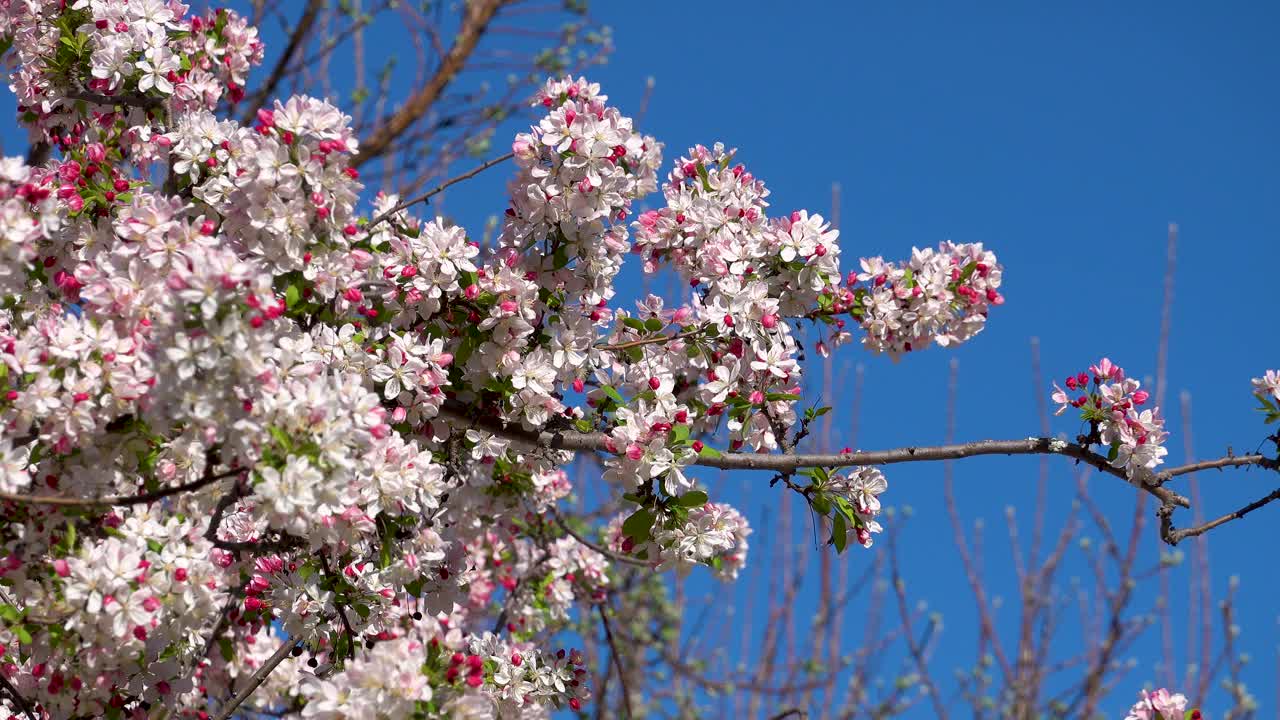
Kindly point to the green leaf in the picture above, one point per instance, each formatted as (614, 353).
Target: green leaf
(706, 180)
(22, 634)
(633, 323)
(839, 533)
(693, 498)
(679, 433)
(653, 325)
(225, 647)
(613, 394)
(292, 296)
(821, 503)
(638, 525)
(708, 452)
(1114, 452)
(10, 613)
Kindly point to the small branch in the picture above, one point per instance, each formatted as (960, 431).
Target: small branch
(141, 499)
(127, 100)
(258, 677)
(792, 712)
(1173, 536)
(617, 662)
(603, 551)
(439, 189)
(1229, 460)
(651, 340)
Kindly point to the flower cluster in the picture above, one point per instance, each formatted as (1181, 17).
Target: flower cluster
(1161, 705)
(855, 497)
(315, 423)
(142, 55)
(1135, 437)
(1267, 390)
(940, 296)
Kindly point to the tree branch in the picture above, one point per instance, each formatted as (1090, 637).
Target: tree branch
(617, 661)
(127, 99)
(439, 189)
(1174, 536)
(17, 698)
(596, 442)
(479, 14)
(258, 677)
(141, 499)
(278, 72)
(590, 545)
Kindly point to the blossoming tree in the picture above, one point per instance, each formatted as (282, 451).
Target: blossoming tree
(271, 443)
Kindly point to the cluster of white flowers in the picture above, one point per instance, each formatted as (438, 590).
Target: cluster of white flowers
(1267, 390)
(123, 612)
(713, 534)
(1135, 437)
(28, 213)
(1159, 705)
(860, 491)
(144, 54)
(307, 415)
(938, 296)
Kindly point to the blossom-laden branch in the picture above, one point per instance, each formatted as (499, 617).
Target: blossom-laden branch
(780, 462)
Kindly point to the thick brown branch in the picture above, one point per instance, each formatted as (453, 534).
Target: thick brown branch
(278, 72)
(479, 14)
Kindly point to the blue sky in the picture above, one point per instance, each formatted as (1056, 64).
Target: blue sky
(1066, 137)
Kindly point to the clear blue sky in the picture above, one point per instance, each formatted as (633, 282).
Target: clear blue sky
(1064, 135)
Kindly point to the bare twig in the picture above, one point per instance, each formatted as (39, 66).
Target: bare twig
(617, 661)
(1173, 537)
(439, 189)
(258, 677)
